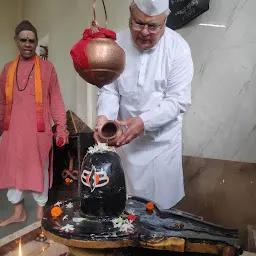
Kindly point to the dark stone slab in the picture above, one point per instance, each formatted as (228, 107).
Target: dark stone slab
(93, 232)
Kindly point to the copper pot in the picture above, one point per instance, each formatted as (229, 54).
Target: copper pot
(106, 60)
(110, 133)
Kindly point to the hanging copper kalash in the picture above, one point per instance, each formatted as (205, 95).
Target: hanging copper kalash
(97, 58)
(103, 220)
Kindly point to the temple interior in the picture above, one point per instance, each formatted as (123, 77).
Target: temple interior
(219, 152)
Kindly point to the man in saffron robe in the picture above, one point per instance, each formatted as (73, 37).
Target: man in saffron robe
(30, 98)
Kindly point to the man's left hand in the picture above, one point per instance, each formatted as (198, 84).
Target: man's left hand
(135, 126)
(61, 141)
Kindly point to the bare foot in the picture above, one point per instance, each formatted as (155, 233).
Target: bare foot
(40, 212)
(18, 216)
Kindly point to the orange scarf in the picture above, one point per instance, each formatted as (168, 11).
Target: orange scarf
(38, 92)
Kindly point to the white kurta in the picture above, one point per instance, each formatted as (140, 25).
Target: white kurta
(155, 85)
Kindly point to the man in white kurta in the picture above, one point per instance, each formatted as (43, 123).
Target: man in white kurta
(149, 99)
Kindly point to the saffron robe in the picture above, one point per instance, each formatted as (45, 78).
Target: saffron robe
(24, 150)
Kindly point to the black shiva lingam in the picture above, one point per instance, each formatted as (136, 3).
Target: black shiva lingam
(103, 192)
(104, 219)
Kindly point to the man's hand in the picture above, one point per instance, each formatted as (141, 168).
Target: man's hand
(101, 120)
(135, 126)
(61, 141)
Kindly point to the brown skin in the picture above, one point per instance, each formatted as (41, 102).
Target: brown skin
(19, 215)
(101, 120)
(26, 42)
(143, 40)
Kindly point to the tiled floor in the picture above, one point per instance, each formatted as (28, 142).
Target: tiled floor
(6, 210)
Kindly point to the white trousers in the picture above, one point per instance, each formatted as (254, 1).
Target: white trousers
(16, 196)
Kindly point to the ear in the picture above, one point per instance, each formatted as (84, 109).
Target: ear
(15, 38)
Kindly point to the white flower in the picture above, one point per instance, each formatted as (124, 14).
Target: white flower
(118, 222)
(100, 148)
(65, 217)
(67, 228)
(130, 211)
(69, 205)
(123, 225)
(127, 226)
(71, 180)
(59, 203)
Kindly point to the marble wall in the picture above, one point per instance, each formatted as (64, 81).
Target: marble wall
(10, 13)
(221, 122)
(220, 191)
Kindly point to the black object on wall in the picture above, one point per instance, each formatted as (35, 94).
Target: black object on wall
(184, 11)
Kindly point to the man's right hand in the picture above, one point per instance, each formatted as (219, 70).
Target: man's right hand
(101, 120)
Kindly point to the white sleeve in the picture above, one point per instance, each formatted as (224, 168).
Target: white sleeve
(108, 101)
(177, 94)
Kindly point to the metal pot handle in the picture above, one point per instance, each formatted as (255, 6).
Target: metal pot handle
(94, 22)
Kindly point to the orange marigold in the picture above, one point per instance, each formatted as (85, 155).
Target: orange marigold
(150, 206)
(67, 180)
(56, 211)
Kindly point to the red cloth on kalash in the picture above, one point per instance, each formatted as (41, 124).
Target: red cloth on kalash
(78, 51)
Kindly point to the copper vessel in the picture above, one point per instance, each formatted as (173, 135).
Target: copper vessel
(106, 61)
(110, 133)
(106, 58)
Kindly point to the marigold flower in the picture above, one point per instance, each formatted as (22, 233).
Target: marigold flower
(56, 211)
(150, 206)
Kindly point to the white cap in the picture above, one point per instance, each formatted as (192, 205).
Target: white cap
(152, 7)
